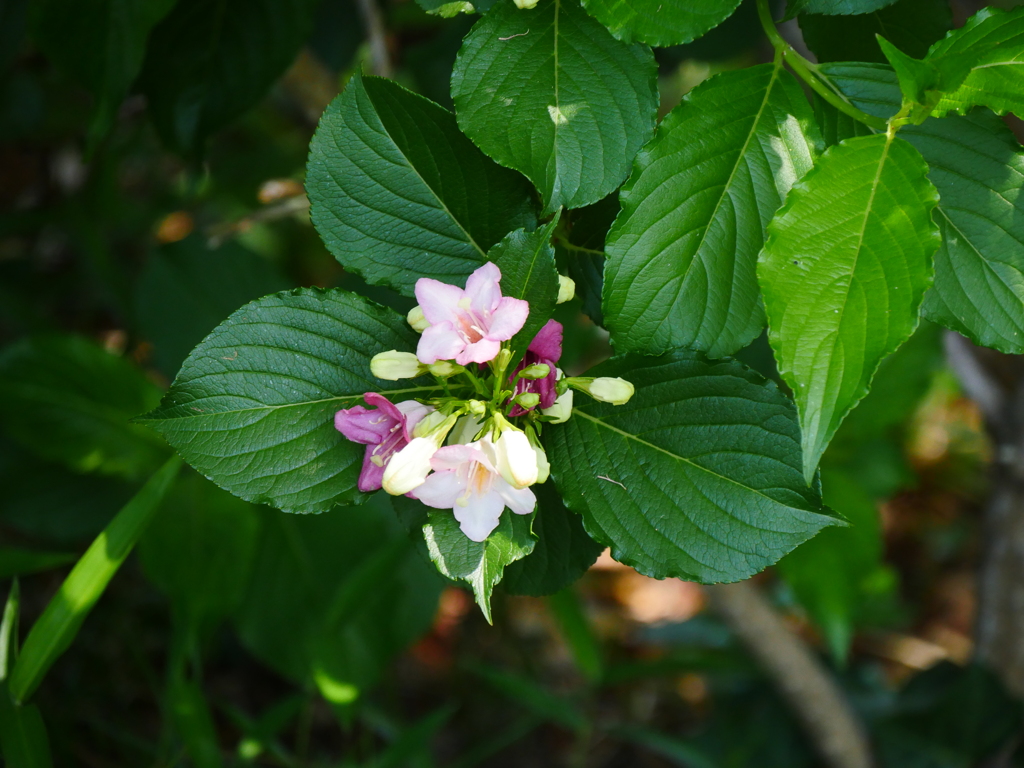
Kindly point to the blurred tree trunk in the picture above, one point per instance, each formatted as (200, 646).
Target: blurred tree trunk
(996, 383)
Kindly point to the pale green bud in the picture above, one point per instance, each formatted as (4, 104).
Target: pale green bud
(395, 365)
(445, 368)
(503, 359)
(417, 320)
(566, 289)
(525, 5)
(528, 399)
(477, 407)
(605, 389)
(535, 371)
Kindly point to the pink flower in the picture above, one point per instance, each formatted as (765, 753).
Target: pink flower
(545, 349)
(466, 480)
(467, 325)
(384, 431)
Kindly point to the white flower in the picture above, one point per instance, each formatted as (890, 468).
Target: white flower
(566, 289)
(466, 480)
(517, 462)
(409, 467)
(417, 319)
(525, 5)
(562, 408)
(543, 465)
(605, 389)
(395, 365)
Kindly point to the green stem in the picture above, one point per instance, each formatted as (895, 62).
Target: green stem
(808, 72)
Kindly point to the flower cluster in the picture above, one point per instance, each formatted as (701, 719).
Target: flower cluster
(475, 447)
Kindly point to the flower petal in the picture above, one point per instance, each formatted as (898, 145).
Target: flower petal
(439, 301)
(440, 490)
(378, 400)
(439, 342)
(507, 319)
(371, 475)
(412, 414)
(480, 516)
(547, 344)
(408, 468)
(482, 288)
(452, 457)
(482, 351)
(362, 425)
(519, 500)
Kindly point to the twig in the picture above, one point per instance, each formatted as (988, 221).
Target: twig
(806, 685)
(380, 59)
(978, 384)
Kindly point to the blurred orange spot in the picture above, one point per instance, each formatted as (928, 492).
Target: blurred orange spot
(174, 227)
(650, 601)
(606, 563)
(114, 341)
(278, 189)
(692, 688)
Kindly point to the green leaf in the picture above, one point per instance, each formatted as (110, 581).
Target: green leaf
(23, 739)
(398, 193)
(17, 562)
(911, 25)
(186, 289)
(309, 612)
(9, 630)
(985, 58)
(413, 743)
(253, 407)
(100, 44)
(828, 573)
(209, 61)
(682, 254)
(920, 81)
(446, 9)
(562, 554)
(198, 551)
(842, 7)
(977, 166)
(580, 249)
(697, 477)
(552, 94)
(56, 628)
(527, 264)
(843, 273)
(70, 401)
(482, 563)
(192, 719)
(540, 701)
(574, 626)
(651, 22)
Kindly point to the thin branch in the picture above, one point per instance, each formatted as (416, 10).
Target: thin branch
(807, 686)
(380, 59)
(979, 385)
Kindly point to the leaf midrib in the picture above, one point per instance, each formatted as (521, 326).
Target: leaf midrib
(629, 436)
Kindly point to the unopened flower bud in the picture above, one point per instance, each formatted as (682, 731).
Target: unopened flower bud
(417, 319)
(605, 389)
(435, 425)
(543, 465)
(566, 289)
(477, 407)
(444, 368)
(517, 461)
(395, 365)
(503, 359)
(561, 410)
(409, 467)
(535, 371)
(528, 400)
(525, 5)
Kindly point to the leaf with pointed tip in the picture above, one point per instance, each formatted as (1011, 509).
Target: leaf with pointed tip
(480, 563)
(660, 23)
(398, 193)
(978, 167)
(846, 265)
(985, 58)
(562, 554)
(527, 264)
(697, 477)
(682, 254)
(552, 94)
(253, 406)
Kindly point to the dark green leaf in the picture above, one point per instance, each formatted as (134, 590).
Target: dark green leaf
(682, 254)
(527, 264)
(253, 407)
(985, 58)
(978, 167)
(449, 8)
(651, 22)
(538, 700)
(187, 289)
(574, 625)
(101, 44)
(481, 564)
(398, 193)
(697, 477)
(911, 25)
(562, 554)
(198, 550)
(209, 61)
(681, 753)
(23, 739)
(305, 568)
(580, 249)
(843, 273)
(16, 562)
(551, 93)
(56, 628)
(191, 716)
(414, 742)
(841, 7)
(69, 400)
